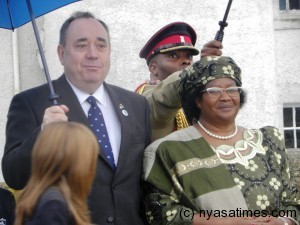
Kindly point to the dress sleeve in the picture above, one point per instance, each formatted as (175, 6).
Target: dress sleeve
(290, 197)
(164, 209)
(162, 202)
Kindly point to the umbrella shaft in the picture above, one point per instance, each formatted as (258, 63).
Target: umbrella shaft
(53, 96)
(220, 33)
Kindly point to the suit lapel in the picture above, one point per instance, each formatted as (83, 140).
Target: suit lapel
(120, 104)
(68, 98)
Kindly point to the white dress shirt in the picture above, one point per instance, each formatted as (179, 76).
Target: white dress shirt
(111, 119)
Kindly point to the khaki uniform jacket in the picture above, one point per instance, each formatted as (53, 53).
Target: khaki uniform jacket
(166, 112)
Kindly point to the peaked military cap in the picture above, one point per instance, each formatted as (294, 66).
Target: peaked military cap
(174, 36)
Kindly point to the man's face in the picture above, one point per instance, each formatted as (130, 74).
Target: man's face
(86, 54)
(163, 65)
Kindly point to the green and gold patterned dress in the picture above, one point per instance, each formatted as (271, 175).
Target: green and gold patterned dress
(182, 171)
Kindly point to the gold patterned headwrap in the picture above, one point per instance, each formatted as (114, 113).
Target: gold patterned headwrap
(207, 69)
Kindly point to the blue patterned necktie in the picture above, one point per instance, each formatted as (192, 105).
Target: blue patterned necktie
(97, 123)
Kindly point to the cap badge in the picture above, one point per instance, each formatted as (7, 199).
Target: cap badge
(182, 39)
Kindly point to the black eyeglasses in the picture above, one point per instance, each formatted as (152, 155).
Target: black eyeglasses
(217, 92)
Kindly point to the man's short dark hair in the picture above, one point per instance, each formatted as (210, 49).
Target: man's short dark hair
(75, 16)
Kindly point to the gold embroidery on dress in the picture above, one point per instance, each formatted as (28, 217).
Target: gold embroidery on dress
(189, 165)
(177, 188)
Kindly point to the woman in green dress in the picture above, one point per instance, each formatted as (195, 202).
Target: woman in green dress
(216, 172)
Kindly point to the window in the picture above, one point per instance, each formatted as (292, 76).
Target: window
(289, 4)
(286, 14)
(291, 123)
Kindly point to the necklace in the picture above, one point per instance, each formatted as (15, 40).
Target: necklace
(218, 136)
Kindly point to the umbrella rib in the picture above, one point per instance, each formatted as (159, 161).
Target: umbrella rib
(10, 14)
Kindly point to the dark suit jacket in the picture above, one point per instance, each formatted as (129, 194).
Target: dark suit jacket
(115, 197)
(51, 209)
(7, 207)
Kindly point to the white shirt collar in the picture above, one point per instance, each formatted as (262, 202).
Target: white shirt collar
(100, 94)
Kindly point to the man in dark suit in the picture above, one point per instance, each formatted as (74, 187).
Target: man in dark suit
(84, 51)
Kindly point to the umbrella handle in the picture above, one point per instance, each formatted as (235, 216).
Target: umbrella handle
(219, 36)
(220, 33)
(53, 96)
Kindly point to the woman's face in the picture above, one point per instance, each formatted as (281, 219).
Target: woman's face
(222, 107)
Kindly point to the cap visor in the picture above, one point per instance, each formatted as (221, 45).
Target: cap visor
(193, 49)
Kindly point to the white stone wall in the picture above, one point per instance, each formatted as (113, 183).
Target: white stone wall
(6, 85)
(249, 38)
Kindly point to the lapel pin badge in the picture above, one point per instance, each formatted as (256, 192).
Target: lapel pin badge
(125, 113)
